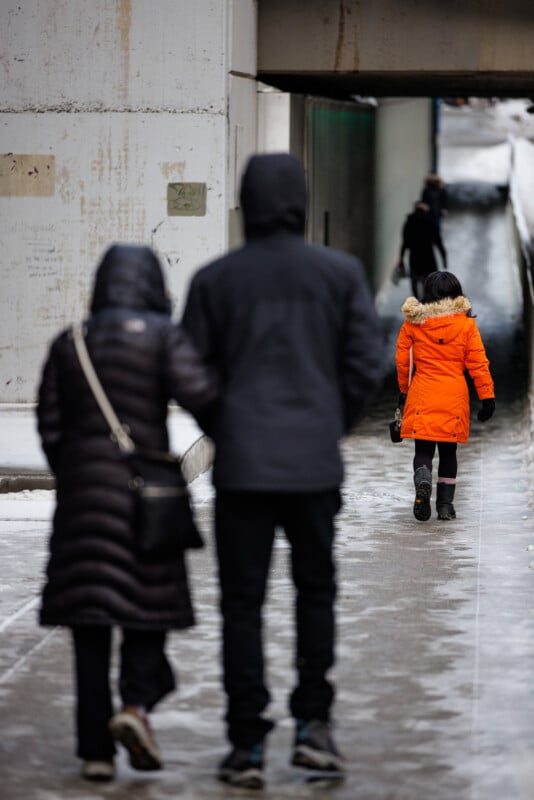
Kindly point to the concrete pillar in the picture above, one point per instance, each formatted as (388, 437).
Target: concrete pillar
(119, 121)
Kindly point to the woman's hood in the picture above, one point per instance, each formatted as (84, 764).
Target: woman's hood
(273, 195)
(418, 313)
(130, 276)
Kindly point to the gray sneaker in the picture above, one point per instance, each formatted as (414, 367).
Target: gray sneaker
(314, 747)
(243, 767)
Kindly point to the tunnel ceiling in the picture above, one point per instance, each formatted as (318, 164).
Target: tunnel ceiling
(341, 86)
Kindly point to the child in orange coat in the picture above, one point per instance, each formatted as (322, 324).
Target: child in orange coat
(438, 340)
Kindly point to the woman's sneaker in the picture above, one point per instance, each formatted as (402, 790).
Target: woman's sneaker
(243, 767)
(314, 747)
(98, 771)
(131, 728)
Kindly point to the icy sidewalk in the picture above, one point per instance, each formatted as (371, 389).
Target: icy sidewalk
(435, 645)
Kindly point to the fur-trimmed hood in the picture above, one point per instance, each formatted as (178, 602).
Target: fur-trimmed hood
(418, 313)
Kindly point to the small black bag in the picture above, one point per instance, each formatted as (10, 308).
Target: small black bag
(399, 272)
(395, 427)
(164, 523)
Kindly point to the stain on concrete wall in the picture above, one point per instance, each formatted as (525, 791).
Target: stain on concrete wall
(27, 175)
(124, 24)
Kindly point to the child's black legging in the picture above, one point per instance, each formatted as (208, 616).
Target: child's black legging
(424, 453)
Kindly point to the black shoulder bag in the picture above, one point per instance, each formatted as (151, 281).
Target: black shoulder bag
(164, 524)
(395, 427)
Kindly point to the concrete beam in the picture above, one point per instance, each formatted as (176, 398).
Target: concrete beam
(387, 47)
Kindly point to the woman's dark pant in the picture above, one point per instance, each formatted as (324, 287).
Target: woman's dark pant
(424, 453)
(145, 677)
(245, 528)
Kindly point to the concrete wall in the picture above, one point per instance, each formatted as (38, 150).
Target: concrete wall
(107, 109)
(403, 157)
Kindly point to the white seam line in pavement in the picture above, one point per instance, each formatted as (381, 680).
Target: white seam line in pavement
(18, 664)
(26, 607)
(476, 663)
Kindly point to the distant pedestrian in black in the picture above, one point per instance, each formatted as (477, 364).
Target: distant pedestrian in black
(434, 195)
(420, 235)
(95, 578)
(292, 329)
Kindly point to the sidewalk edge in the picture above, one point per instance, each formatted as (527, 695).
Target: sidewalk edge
(197, 459)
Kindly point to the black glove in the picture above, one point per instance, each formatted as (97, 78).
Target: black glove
(401, 401)
(486, 410)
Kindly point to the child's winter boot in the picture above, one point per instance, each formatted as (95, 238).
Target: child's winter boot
(422, 479)
(444, 498)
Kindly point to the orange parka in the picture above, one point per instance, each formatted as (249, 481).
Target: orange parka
(437, 342)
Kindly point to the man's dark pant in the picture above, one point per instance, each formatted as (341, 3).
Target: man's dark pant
(145, 677)
(245, 525)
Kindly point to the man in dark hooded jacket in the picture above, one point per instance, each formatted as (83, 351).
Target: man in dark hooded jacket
(292, 329)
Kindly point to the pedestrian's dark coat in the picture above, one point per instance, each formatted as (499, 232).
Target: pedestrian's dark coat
(420, 234)
(293, 329)
(435, 196)
(94, 575)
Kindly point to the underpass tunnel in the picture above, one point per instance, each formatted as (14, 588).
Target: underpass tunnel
(481, 253)
(483, 242)
(366, 162)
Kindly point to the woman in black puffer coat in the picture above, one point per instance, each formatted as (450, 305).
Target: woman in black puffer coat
(94, 579)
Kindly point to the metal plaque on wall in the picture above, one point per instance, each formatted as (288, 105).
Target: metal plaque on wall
(186, 199)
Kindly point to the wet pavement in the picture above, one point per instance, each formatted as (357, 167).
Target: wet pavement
(436, 626)
(435, 670)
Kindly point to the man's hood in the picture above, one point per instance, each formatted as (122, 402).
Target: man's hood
(273, 195)
(130, 276)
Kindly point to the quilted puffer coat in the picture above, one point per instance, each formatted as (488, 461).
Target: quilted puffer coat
(94, 575)
(441, 341)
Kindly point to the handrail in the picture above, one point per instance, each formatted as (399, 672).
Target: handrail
(525, 253)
